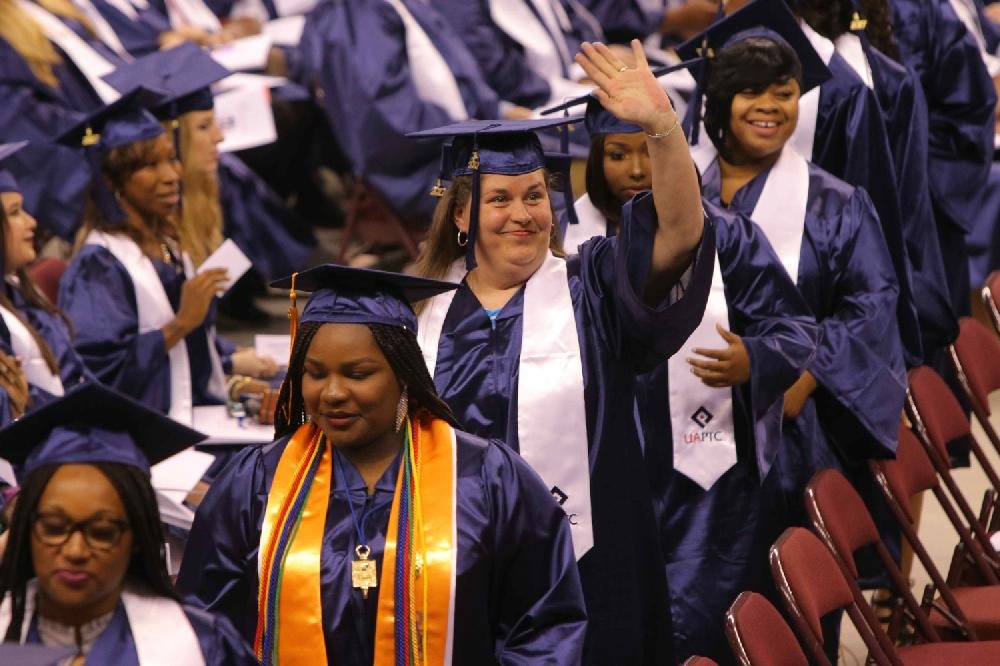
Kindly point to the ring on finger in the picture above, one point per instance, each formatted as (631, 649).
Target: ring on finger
(622, 68)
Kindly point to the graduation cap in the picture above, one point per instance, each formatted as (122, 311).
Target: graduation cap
(342, 294)
(7, 181)
(184, 73)
(505, 147)
(33, 654)
(124, 121)
(93, 423)
(769, 19)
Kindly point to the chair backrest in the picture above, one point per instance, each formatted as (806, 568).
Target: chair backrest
(700, 661)
(911, 473)
(978, 353)
(991, 298)
(942, 415)
(758, 634)
(46, 274)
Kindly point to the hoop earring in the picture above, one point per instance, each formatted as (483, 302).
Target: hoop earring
(463, 238)
(402, 408)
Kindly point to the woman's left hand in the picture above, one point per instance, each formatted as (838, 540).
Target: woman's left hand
(728, 367)
(631, 94)
(247, 362)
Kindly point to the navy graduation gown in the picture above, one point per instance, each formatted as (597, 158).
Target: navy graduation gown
(709, 538)
(53, 330)
(517, 594)
(97, 294)
(502, 60)
(372, 102)
(139, 36)
(620, 336)
(851, 144)
(219, 642)
(625, 20)
(961, 99)
(846, 278)
(259, 221)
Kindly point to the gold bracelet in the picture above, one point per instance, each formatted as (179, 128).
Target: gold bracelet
(664, 135)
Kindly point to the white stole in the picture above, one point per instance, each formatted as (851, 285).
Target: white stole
(148, 617)
(552, 415)
(36, 370)
(701, 417)
(591, 222)
(431, 75)
(781, 209)
(850, 49)
(155, 312)
(90, 63)
(192, 12)
(804, 136)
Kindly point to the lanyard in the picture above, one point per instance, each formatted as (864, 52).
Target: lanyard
(363, 573)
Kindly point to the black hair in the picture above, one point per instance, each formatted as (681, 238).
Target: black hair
(401, 351)
(751, 64)
(832, 18)
(148, 563)
(600, 193)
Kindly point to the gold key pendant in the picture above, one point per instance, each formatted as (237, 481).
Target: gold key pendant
(363, 573)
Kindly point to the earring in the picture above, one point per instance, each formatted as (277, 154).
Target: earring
(463, 238)
(402, 408)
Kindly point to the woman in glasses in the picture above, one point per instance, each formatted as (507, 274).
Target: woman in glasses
(85, 564)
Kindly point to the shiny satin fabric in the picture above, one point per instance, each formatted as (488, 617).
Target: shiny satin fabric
(97, 295)
(620, 336)
(847, 280)
(53, 330)
(983, 242)
(709, 538)
(517, 588)
(625, 20)
(220, 644)
(139, 35)
(372, 102)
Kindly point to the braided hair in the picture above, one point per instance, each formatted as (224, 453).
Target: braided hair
(398, 344)
(148, 563)
(832, 18)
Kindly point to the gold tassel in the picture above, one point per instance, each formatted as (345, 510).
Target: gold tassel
(438, 190)
(90, 138)
(858, 23)
(474, 160)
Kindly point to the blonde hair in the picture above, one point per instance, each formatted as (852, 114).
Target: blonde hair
(25, 36)
(200, 228)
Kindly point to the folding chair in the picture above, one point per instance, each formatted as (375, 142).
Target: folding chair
(812, 585)
(758, 634)
(976, 357)
(991, 294)
(938, 420)
(699, 661)
(46, 274)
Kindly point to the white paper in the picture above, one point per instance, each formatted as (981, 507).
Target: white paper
(275, 346)
(173, 513)
(7, 473)
(291, 7)
(177, 476)
(231, 257)
(245, 53)
(286, 31)
(244, 79)
(245, 117)
(221, 428)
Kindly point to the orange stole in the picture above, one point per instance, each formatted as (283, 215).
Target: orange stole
(434, 595)
(300, 613)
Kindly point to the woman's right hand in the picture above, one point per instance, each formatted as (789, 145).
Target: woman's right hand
(14, 382)
(197, 294)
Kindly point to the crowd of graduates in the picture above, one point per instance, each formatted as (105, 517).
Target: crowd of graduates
(665, 261)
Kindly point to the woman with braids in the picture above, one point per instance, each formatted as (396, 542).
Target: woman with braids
(32, 329)
(143, 318)
(85, 563)
(373, 531)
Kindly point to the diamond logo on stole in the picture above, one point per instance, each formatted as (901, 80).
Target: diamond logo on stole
(702, 417)
(558, 495)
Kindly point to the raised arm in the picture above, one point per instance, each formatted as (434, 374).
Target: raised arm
(633, 95)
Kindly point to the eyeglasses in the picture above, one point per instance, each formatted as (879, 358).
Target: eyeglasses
(54, 529)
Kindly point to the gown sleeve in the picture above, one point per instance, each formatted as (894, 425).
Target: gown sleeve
(540, 615)
(225, 348)
(97, 294)
(614, 272)
(219, 569)
(858, 364)
(220, 644)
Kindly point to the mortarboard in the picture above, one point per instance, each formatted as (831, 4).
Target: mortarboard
(93, 423)
(118, 124)
(7, 181)
(505, 147)
(342, 294)
(33, 654)
(770, 19)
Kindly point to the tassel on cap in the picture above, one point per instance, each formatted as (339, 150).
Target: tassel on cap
(90, 138)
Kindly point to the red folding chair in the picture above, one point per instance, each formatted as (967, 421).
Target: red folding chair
(758, 634)
(812, 585)
(938, 420)
(991, 294)
(699, 661)
(976, 357)
(46, 273)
